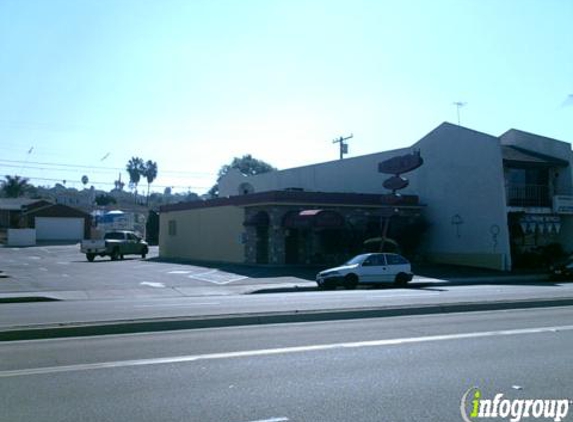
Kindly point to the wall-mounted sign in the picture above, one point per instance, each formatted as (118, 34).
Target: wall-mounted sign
(531, 223)
(401, 164)
(396, 183)
(563, 204)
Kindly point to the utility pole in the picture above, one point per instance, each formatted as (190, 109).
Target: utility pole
(459, 104)
(343, 145)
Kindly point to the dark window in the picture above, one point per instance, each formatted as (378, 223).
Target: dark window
(395, 259)
(172, 228)
(114, 236)
(375, 261)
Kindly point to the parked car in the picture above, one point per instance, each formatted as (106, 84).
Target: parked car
(371, 268)
(562, 270)
(115, 244)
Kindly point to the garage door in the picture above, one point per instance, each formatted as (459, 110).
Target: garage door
(55, 228)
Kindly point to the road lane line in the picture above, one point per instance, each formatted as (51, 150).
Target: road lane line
(176, 305)
(278, 351)
(272, 420)
(178, 272)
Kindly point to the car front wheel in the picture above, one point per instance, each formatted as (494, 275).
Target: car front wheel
(350, 281)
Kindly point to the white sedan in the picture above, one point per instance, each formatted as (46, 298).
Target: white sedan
(370, 268)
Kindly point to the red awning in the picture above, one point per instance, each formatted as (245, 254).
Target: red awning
(324, 219)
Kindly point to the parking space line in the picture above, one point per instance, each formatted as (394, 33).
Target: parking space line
(152, 284)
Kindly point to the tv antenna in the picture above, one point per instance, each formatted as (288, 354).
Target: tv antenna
(459, 104)
(343, 146)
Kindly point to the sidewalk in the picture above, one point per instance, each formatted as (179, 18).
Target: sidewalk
(436, 276)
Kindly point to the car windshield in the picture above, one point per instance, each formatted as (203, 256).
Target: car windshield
(356, 260)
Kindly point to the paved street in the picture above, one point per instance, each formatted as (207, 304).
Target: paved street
(391, 369)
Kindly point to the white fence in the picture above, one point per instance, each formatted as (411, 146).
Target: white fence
(21, 237)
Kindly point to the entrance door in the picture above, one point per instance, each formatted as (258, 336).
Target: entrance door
(291, 247)
(263, 245)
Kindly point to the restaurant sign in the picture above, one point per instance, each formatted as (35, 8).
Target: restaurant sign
(563, 204)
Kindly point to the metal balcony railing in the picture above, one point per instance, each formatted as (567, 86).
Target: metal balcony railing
(526, 195)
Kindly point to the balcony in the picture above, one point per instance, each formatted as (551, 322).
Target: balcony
(527, 195)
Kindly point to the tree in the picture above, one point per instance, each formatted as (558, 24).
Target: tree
(247, 164)
(15, 186)
(150, 173)
(85, 180)
(135, 168)
(118, 184)
(104, 199)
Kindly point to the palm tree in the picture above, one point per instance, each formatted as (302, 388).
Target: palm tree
(15, 186)
(150, 174)
(135, 168)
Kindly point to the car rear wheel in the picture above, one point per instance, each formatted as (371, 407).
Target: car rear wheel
(115, 255)
(90, 257)
(350, 281)
(401, 280)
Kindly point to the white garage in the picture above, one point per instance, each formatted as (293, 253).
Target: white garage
(59, 228)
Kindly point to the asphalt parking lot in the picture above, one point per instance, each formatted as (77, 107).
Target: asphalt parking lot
(62, 268)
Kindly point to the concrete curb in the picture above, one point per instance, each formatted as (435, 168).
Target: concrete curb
(48, 331)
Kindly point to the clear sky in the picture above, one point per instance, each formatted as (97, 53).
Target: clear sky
(193, 83)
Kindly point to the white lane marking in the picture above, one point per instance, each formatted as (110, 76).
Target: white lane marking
(202, 277)
(279, 351)
(43, 269)
(178, 272)
(152, 284)
(272, 420)
(34, 257)
(390, 296)
(202, 274)
(176, 304)
(221, 282)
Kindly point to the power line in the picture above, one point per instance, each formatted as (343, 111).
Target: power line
(46, 179)
(85, 167)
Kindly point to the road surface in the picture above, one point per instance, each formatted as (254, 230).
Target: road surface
(391, 369)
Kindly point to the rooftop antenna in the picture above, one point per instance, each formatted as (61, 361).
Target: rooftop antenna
(343, 145)
(459, 104)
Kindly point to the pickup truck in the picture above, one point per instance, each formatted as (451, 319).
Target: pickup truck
(115, 244)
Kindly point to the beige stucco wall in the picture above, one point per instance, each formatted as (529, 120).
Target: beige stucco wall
(206, 234)
(462, 181)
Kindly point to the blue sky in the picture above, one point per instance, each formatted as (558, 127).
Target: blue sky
(193, 83)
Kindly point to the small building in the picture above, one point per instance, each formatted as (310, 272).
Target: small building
(277, 227)
(52, 222)
(488, 202)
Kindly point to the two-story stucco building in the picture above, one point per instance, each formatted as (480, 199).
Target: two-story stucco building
(487, 200)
